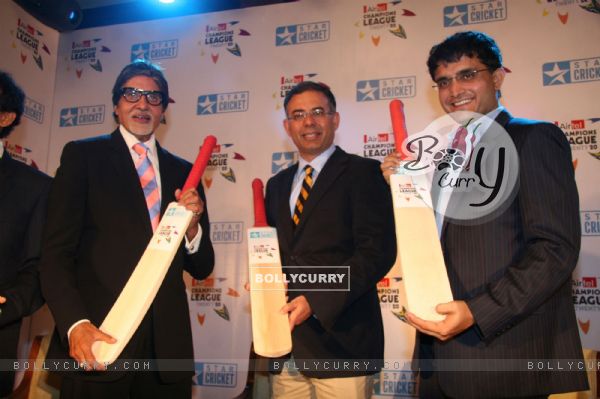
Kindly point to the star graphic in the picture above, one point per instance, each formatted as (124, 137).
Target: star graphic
(556, 74)
(368, 92)
(279, 163)
(207, 106)
(455, 17)
(69, 118)
(285, 36)
(139, 54)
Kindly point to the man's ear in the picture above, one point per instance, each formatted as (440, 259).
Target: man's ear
(498, 78)
(7, 118)
(286, 126)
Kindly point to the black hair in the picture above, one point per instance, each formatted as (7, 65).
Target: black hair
(471, 44)
(311, 86)
(12, 99)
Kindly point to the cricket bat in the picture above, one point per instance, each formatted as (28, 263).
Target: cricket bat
(420, 260)
(270, 328)
(136, 297)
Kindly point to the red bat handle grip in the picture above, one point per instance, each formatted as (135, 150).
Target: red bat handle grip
(260, 217)
(398, 126)
(200, 164)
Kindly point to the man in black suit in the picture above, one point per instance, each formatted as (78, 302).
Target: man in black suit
(510, 272)
(23, 195)
(98, 227)
(345, 220)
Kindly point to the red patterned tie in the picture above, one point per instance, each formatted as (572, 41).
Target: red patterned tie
(148, 180)
(459, 143)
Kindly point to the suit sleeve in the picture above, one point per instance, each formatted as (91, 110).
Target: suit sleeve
(24, 297)
(200, 264)
(374, 243)
(549, 209)
(61, 239)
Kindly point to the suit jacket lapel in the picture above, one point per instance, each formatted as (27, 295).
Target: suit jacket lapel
(125, 173)
(5, 174)
(168, 178)
(503, 119)
(332, 169)
(285, 225)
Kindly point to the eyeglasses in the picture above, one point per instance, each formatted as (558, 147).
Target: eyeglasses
(133, 95)
(462, 76)
(317, 113)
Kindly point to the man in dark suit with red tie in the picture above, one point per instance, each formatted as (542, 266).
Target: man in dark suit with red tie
(102, 211)
(23, 195)
(510, 272)
(330, 209)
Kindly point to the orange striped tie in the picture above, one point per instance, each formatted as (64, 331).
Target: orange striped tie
(303, 196)
(148, 180)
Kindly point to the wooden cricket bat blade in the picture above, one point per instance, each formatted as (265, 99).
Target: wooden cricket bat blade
(135, 299)
(420, 260)
(270, 328)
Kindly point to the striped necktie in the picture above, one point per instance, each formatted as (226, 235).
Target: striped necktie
(303, 196)
(460, 143)
(148, 180)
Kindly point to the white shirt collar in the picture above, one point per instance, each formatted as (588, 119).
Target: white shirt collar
(131, 140)
(1, 149)
(478, 127)
(317, 164)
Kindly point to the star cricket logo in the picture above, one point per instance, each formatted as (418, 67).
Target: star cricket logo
(378, 146)
(582, 134)
(571, 71)
(220, 161)
(34, 110)
(398, 384)
(86, 53)
(31, 43)
(153, 51)
(474, 13)
(226, 232)
(311, 32)
(287, 83)
(20, 153)
(283, 160)
(586, 294)
(386, 89)
(222, 375)
(212, 293)
(379, 17)
(209, 104)
(223, 35)
(84, 115)
(590, 223)
(562, 8)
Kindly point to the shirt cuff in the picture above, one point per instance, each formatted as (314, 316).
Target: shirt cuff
(75, 325)
(191, 246)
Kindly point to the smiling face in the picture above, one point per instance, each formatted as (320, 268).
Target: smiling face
(477, 95)
(313, 134)
(140, 118)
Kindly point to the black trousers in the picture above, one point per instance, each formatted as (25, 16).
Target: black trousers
(134, 384)
(9, 340)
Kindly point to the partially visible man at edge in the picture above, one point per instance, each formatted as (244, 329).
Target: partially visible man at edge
(23, 196)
